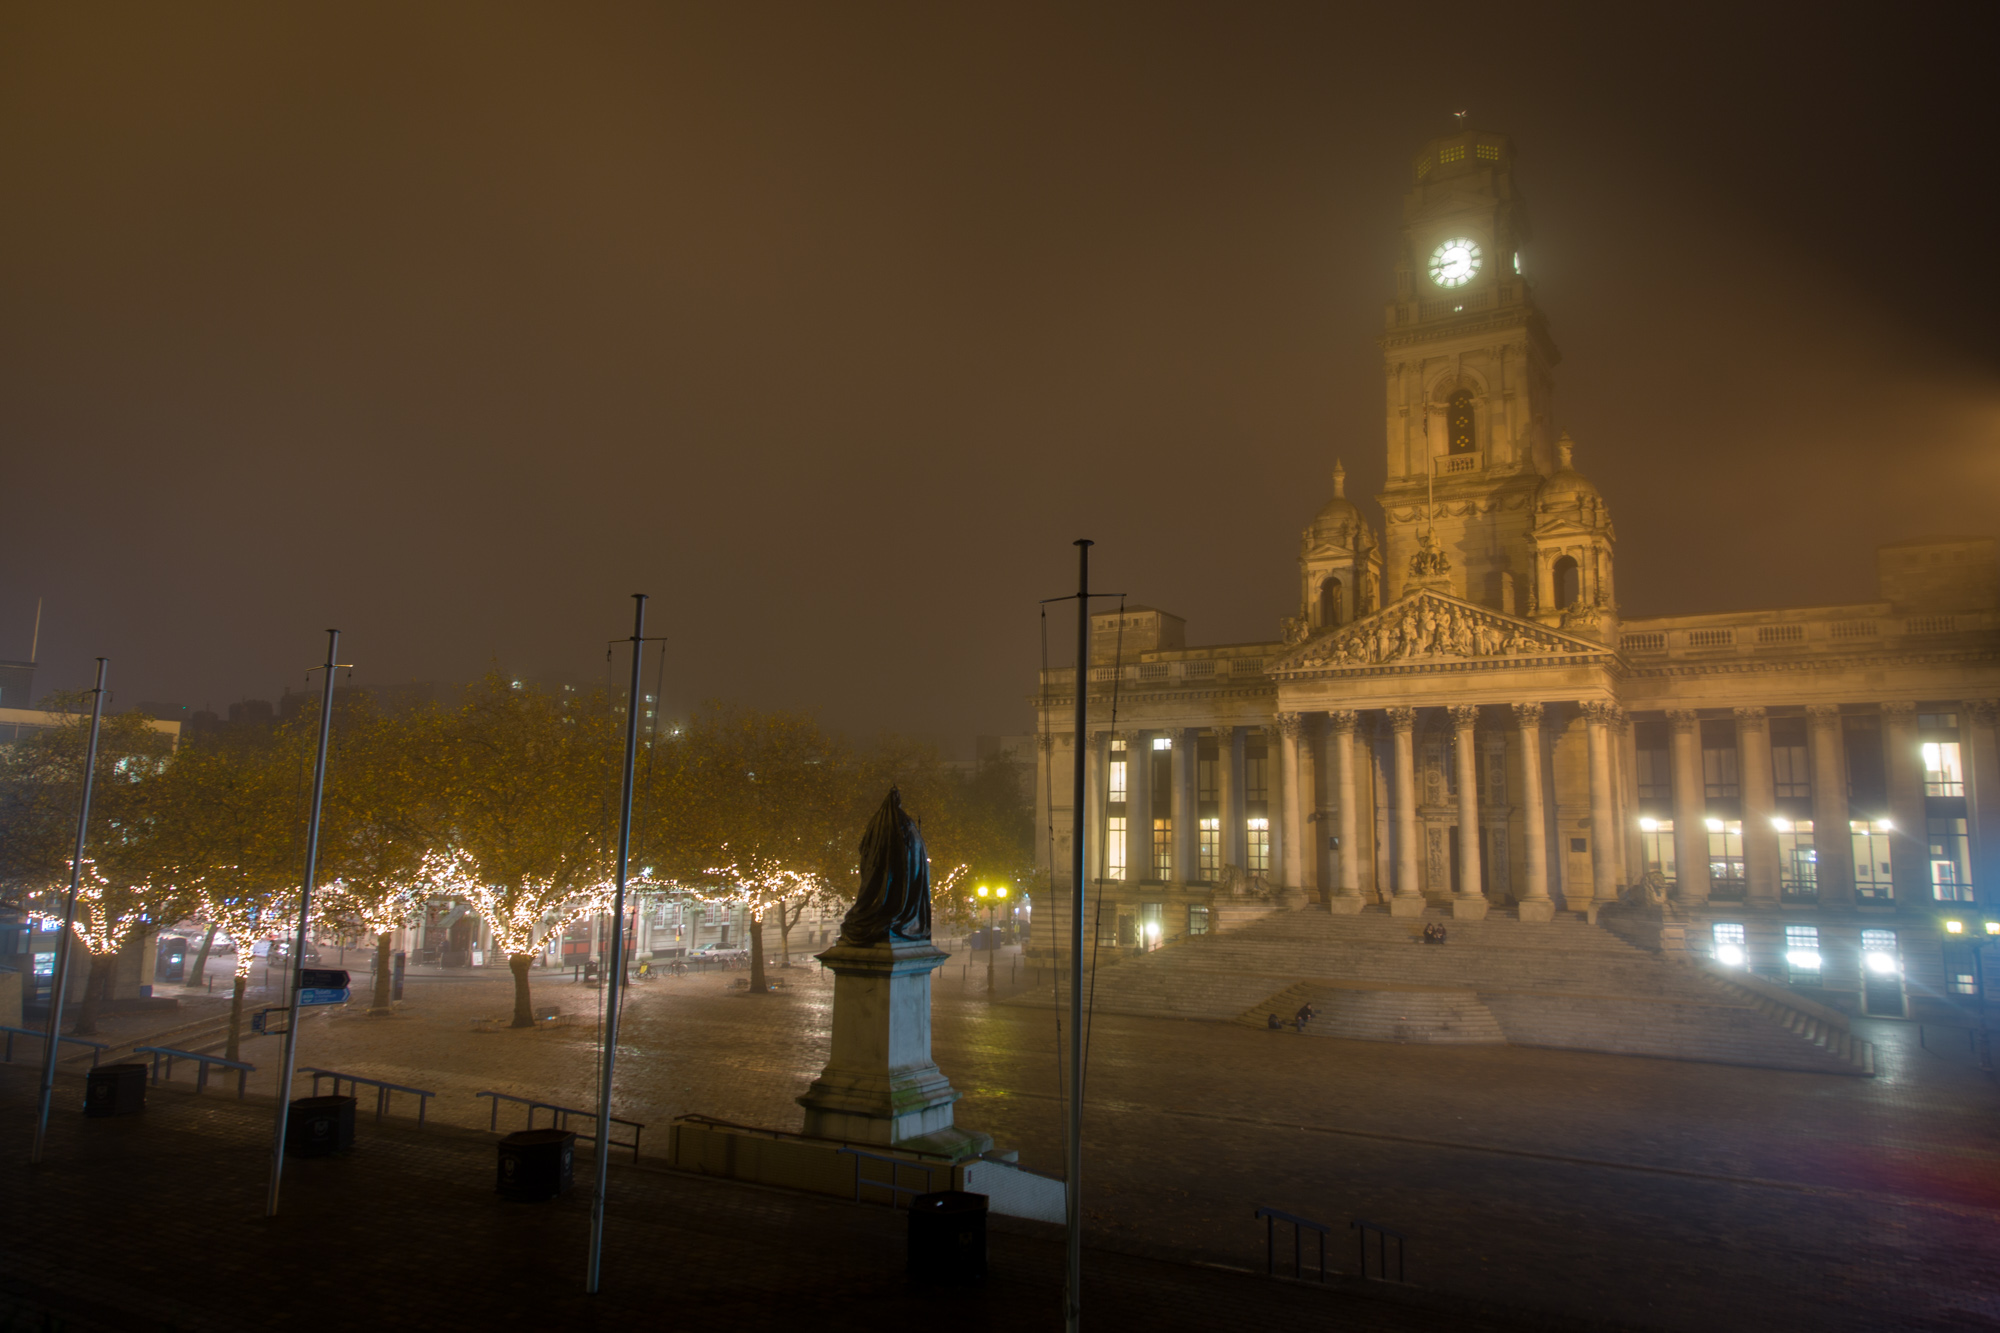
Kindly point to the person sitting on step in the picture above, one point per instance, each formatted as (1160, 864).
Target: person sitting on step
(1271, 1023)
(1305, 1015)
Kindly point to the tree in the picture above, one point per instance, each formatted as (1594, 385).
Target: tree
(524, 818)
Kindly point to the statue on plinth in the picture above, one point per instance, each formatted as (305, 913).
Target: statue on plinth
(880, 1085)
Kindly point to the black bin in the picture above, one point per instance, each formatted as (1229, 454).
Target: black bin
(948, 1237)
(537, 1164)
(115, 1090)
(319, 1126)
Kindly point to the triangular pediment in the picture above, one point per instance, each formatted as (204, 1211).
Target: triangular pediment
(1431, 626)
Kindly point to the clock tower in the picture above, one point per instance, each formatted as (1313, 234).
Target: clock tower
(1467, 362)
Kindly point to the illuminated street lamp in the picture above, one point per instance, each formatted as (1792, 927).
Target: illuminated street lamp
(992, 896)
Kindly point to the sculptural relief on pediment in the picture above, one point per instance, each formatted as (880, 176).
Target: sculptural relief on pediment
(1425, 627)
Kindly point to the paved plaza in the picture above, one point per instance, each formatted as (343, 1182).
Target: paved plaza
(1635, 1192)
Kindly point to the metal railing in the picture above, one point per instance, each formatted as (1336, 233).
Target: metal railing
(383, 1090)
(891, 1183)
(1382, 1238)
(97, 1048)
(559, 1119)
(1270, 1217)
(243, 1071)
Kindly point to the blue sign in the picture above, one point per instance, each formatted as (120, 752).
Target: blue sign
(323, 995)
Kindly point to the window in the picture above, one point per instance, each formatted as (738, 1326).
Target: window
(1458, 423)
(1117, 776)
(1942, 774)
(1725, 859)
(1211, 848)
(1937, 721)
(1951, 872)
(1152, 933)
(1798, 867)
(1656, 776)
(1255, 784)
(1802, 954)
(1718, 761)
(1329, 603)
(1114, 847)
(1567, 582)
(1257, 854)
(1489, 152)
(1867, 784)
(1455, 153)
(1730, 949)
(1872, 880)
(1789, 770)
(1163, 742)
(1163, 849)
(1656, 841)
(1206, 774)
(1197, 920)
(1878, 952)
(1964, 983)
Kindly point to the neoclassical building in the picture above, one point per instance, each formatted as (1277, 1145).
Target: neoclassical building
(1460, 718)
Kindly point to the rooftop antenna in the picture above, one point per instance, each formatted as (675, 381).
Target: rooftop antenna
(1461, 115)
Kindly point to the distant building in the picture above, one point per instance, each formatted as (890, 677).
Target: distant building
(1460, 716)
(17, 684)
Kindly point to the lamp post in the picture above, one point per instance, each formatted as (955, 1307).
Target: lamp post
(992, 896)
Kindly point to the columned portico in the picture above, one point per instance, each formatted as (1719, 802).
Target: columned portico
(1187, 819)
(1690, 806)
(1138, 806)
(1470, 902)
(1833, 852)
(1229, 793)
(1536, 905)
(1346, 896)
(1760, 838)
(1409, 896)
(1598, 718)
(1295, 804)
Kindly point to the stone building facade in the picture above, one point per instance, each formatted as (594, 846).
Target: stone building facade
(1459, 718)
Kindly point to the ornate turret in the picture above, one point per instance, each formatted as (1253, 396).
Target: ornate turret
(1340, 566)
(1573, 539)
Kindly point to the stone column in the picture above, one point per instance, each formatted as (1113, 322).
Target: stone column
(1833, 845)
(1982, 729)
(1536, 905)
(1598, 719)
(1409, 898)
(1346, 897)
(1630, 855)
(1229, 793)
(1138, 806)
(1046, 778)
(1187, 816)
(1690, 807)
(1274, 802)
(1294, 804)
(1760, 803)
(1096, 774)
(1909, 843)
(1471, 902)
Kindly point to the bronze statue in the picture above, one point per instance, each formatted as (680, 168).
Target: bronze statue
(895, 898)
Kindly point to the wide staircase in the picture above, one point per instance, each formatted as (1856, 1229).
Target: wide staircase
(1563, 983)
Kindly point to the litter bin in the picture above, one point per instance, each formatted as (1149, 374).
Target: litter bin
(948, 1237)
(537, 1164)
(115, 1090)
(319, 1126)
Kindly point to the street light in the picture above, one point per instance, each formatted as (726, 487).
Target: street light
(992, 896)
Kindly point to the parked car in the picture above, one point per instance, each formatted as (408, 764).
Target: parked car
(720, 953)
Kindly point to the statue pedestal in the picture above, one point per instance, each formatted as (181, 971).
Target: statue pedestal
(880, 1085)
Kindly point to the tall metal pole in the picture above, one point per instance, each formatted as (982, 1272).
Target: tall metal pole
(1073, 1169)
(617, 972)
(60, 980)
(305, 921)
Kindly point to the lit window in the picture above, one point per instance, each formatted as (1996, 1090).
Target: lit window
(1211, 848)
(1117, 780)
(1163, 849)
(1878, 952)
(1257, 854)
(1455, 153)
(1489, 152)
(1114, 847)
(1872, 880)
(1951, 870)
(1656, 839)
(1197, 920)
(1942, 774)
(1964, 984)
(1802, 952)
(1798, 864)
(1163, 742)
(1725, 858)
(1729, 944)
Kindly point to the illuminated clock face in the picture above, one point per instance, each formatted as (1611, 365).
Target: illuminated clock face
(1454, 262)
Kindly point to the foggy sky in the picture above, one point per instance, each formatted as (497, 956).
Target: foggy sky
(832, 326)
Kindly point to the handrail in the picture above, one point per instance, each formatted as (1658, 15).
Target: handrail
(561, 1119)
(97, 1048)
(382, 1090)
(243, 1071)
(1270, 1217)
(889, 1184)
(1382, 1235)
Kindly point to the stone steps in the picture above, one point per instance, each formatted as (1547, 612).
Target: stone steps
(1564, 984)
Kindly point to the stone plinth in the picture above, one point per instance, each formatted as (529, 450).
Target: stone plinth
(1471, 907)
(1536, 909)
(1407, 904)
(1344, 904)
(880, 1085)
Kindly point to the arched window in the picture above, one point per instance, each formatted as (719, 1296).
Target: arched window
(1329, 603)
(1458, 423)
(1568, 582)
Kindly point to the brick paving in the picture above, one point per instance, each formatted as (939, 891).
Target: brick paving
(1592, 1188)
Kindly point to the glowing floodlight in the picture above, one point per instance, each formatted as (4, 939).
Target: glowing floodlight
(1729, 955)
(1881, 961)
